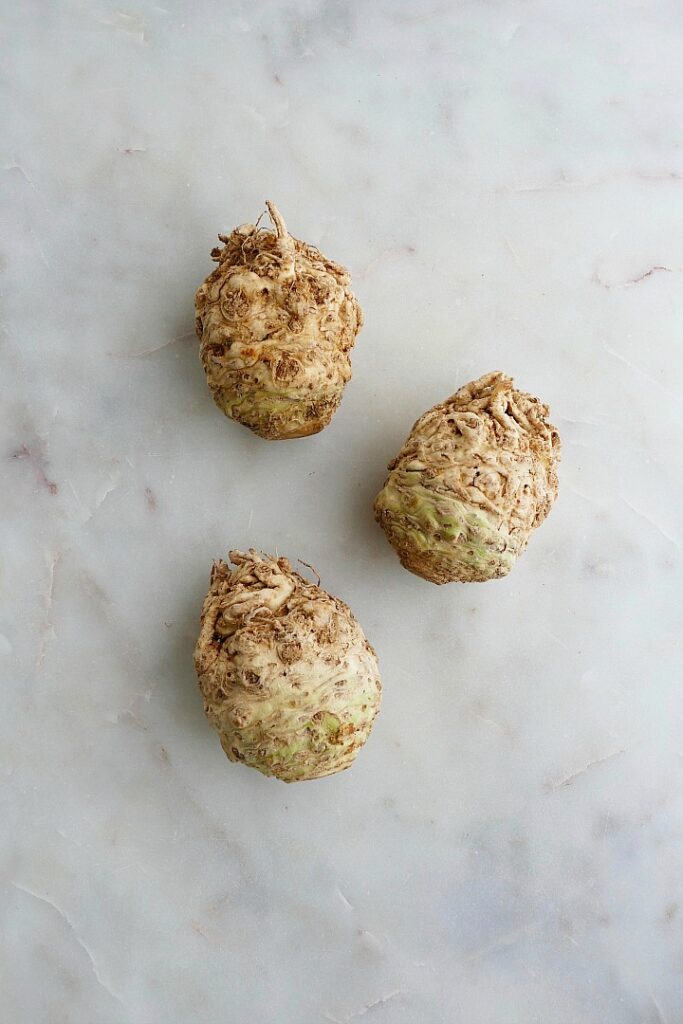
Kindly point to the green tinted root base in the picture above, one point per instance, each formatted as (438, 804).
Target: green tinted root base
(276, 416)
(440, 538)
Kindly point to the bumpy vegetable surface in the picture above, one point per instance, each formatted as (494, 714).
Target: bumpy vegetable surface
(289, 680)
(475, 476)
(276, 321)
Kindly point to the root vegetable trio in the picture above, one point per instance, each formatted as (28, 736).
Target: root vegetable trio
(289, 680)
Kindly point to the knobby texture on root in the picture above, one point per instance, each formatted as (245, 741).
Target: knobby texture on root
(276, 321)
(476, 475)
(289, 681)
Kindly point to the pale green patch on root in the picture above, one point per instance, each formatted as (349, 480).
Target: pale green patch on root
(437, 535)
(276, 414)
(324, 743)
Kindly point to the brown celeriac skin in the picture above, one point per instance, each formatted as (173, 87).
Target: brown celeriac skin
(476, 475)
(276, 321)
(289, 681)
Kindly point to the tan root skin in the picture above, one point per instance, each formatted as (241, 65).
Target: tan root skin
(276, 321)
(475, 476)
(289, 681)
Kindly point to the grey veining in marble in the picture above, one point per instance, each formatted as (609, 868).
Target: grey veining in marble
(505, 181)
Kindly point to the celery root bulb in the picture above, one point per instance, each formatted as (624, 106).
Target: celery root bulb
(289, 681)
(475, 477)
(276, 321)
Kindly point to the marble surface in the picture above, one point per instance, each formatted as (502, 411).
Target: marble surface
(505, 181)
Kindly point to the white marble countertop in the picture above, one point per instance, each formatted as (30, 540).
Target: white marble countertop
(505, 182)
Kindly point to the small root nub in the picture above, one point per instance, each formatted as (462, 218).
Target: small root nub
(276, 217)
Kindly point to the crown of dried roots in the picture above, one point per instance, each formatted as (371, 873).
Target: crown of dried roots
(289, 680)
(276, 321)
(475, 476)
